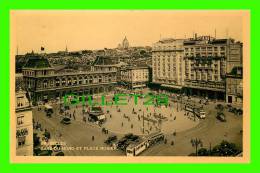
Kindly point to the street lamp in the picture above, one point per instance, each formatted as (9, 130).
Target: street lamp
(143, 122)
(195, 143)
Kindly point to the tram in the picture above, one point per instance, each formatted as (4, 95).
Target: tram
(136, 148)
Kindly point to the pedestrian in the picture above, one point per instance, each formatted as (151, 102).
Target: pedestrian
(74, 117)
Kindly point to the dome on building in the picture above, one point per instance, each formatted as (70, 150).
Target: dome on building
(125, 43)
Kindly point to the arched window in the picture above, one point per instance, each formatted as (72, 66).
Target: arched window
(45, 84)
(95, 79)
(109, 78)
(57, 81)
(75, 82)
(69, 81)
(86, 79)
(63, 82)
(90, 79)
(99, 79)
(80, 80)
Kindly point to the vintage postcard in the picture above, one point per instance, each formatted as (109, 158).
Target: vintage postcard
(130, 86)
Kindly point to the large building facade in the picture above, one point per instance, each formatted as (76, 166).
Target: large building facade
(44, 82)
(234, 85)
(135, 77)
(167, 63)
(207, 61)
(24, 124)
(196, 66)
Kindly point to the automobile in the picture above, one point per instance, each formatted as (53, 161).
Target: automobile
(66, 120)
(125, 145)
(48, 114)
(121, 142)
(133, 137)
(239, 112)
(126, 140)
(60, 154)
(111, 139)
(221, 117)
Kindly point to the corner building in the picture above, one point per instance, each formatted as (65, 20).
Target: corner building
(207, 61)
(168, 64)
(45, 82)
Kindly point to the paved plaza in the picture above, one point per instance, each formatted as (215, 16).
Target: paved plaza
(129, 119)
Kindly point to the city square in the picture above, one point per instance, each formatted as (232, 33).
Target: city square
(130, 94)
(79, 133)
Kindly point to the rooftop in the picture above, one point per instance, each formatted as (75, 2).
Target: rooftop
(37, 61)
(236, 72)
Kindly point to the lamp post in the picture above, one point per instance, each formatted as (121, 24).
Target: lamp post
(143, 122)
(196, 143)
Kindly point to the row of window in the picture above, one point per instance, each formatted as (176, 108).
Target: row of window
(73, 81)
(222, 48)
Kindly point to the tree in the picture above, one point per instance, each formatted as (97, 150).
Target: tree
(203, 152)
(36, 140)
(225, 149)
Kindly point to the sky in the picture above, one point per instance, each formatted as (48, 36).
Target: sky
(80, 30)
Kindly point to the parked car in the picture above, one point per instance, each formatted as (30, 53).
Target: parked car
(111, 139)
(60, 154)
(221, 117)
(66, 120)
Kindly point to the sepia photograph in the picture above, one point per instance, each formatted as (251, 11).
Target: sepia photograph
(137, 86)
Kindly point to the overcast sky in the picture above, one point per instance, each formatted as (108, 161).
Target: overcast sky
(99, 29)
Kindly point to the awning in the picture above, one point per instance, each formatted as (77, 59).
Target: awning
(171, 86)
